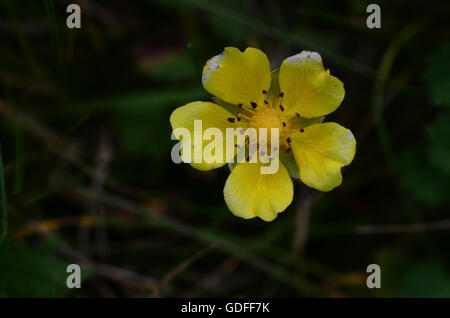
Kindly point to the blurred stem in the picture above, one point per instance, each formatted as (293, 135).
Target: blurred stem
(4, 213)
(86, 116)
(181, 267)
(194, 59)
(403, 228)
(20, 160)
(307, 200)
(279, 273)
(53, 26)
(19, 144)
(383, 74)
(28, 54)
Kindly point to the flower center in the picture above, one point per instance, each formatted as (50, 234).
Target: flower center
(269, 115)
(266, 119)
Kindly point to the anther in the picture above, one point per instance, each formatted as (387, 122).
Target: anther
(231, 120)
(254, 105)
(282, 108)
(302, 130)
(265, 102)
(287, 150)
(248, 158)
(240, 105)
(288, 139)
(281, 94)
(284, 124)
(264, 92)
(297, 114)
(239, 116)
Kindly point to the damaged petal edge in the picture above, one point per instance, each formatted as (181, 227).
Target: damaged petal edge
(213, 64)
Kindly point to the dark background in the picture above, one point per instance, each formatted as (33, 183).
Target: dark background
(85, 138)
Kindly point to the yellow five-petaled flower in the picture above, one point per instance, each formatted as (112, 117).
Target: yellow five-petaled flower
(294, 99)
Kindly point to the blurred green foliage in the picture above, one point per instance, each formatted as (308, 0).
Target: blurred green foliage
(437, 75)
(408, 278)
(439, 151)
(26, 272)
(86, 146)
(425, 167)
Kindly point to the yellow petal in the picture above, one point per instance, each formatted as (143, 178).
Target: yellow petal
(320, 151)
(212, 116)
(248, 193)
(308, 88)
(238, 77)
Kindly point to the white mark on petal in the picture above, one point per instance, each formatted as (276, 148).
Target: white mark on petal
(212, 65)
(303, 56)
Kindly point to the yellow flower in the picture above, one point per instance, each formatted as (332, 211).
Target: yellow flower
(294, 99)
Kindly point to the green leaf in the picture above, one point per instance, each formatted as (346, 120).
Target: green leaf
(437, 75)
(392, 266)
(425, 279)
(418, 177)
(28, 273)
(402, 277)
(439, 135)
(440, 158)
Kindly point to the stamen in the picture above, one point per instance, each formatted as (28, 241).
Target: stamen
(254, 105)
(231, 119)
(297, 114)
(264, 92)
(284, 124)
(302, 130)
(282, 108)
(281, 94)
(243, 116)
(248, 109)
(288, 139)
